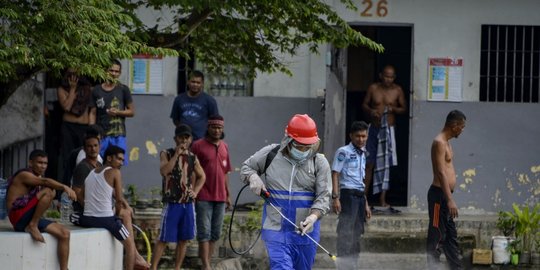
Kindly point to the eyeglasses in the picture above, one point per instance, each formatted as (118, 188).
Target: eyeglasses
(301, 147)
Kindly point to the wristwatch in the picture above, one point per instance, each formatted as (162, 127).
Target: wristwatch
(335, 196)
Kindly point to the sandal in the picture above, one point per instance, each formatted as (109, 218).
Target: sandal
(375, 211)
(392, 210)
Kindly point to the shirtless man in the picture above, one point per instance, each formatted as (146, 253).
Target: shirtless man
(381, 96)
(28, 197)
(442, 231)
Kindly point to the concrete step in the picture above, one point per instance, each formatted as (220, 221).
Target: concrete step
(406, 261)
(411, 224)
(394, 242)
(368, 260)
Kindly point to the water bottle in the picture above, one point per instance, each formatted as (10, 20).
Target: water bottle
(3, 191)
(66, 208)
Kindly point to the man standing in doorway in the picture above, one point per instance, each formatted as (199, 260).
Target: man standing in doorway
(213, 154)
(383, 101)
(442, 231)
(110, 105)
(194, 106)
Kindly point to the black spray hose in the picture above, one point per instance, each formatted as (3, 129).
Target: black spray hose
(266, 196)
(231, 225)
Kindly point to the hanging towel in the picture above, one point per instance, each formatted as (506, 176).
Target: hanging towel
(385, 156)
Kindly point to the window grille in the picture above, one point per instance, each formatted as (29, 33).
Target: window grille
(232, 82)
(510, 63)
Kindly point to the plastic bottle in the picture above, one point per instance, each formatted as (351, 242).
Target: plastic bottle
(66, 208)
(3, 191)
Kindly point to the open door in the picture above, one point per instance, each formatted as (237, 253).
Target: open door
(363, 69)
(335, 100)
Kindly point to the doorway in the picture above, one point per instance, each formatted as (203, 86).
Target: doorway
(363, 67)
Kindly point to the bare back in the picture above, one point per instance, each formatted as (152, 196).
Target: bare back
(442, 163)
(378, 97)
(18, 188)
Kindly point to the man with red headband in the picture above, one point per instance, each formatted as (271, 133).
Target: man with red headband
(299, 182)
(213, 153)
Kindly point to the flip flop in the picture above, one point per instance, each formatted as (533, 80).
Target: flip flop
(375, 211)
(392, 210)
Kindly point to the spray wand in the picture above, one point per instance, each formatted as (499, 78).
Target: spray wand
(266, 196)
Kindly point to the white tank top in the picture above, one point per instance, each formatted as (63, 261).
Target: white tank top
(98, 195)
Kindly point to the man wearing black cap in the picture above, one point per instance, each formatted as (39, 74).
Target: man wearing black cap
(177, 166)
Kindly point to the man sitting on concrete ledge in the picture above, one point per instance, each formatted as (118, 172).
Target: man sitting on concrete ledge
(28, 197)
(100, 187)
(91, 146)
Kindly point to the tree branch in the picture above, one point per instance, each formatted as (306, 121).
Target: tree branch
(192, 22)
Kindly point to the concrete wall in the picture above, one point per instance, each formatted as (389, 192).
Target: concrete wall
(90, 249)
(496, 157)
(250, 124)
(21, 116)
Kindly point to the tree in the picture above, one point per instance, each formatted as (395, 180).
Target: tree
(253, 34)
(51, 35)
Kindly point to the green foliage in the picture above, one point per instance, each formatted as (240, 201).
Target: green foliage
(506, 224)
(252, 222)
(50, 213)
(155, 192)
(527, 223)
(50, 35)
(513, 246)
(132, 194)
(252, 34)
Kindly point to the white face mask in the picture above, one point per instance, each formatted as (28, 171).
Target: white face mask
(297, 154)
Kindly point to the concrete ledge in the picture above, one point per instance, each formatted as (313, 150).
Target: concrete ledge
(89, 249)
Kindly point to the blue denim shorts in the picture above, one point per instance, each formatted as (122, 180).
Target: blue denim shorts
(209, 220)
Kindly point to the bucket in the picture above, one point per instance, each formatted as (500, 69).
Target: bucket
(501, 255)
(3, 191)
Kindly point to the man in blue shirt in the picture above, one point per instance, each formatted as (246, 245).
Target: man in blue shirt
(348, 198)
(194, 106)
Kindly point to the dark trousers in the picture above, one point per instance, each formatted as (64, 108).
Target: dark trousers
(72, 137)
(442, 233)
(350, 227)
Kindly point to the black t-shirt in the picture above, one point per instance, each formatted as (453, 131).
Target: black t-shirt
(103, 100)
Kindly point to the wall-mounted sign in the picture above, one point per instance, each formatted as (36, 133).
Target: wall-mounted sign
(445, 79)
(146, 74)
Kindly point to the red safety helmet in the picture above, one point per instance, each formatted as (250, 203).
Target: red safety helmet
(302, 129)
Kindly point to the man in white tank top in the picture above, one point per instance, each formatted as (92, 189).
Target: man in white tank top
(102, 188)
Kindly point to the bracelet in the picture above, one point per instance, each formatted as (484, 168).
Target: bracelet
(335, 196)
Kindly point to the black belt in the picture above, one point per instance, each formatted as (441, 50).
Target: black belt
(354, 192)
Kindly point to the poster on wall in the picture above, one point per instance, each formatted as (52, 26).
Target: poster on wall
(146, 74)
(445, 79)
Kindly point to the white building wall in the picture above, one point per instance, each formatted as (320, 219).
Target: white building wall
(440, 28)
(308, 76)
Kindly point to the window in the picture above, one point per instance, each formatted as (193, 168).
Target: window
(510, 63)
(231, 83)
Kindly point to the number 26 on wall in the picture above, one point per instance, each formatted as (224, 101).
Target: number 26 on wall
(381, 9)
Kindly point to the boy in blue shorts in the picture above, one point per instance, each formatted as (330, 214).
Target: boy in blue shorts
(177, 166)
